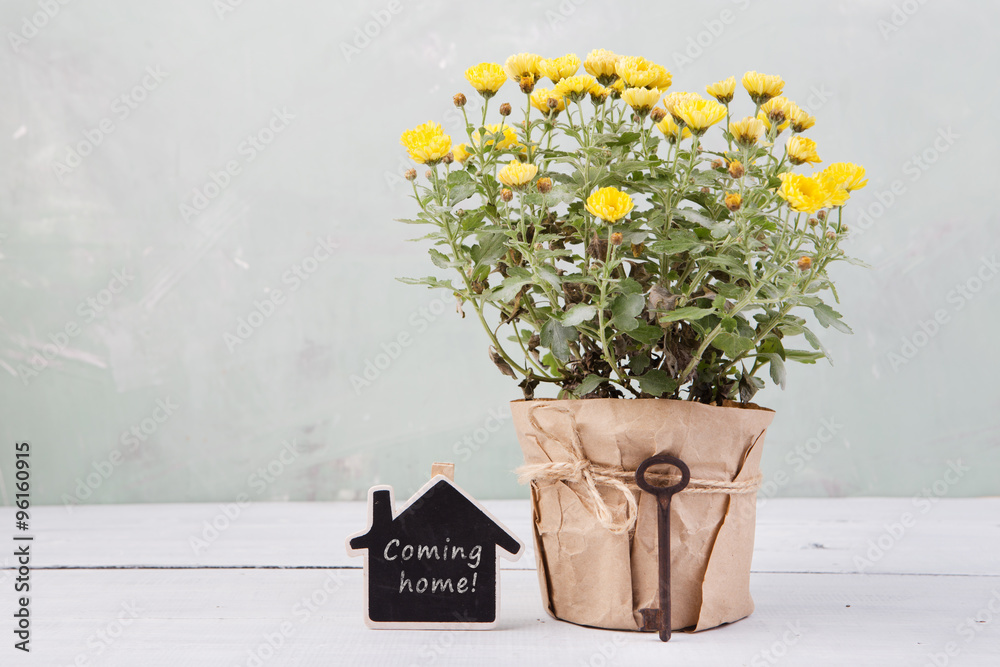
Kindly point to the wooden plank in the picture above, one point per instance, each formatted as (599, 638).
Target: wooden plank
(227, 617)
(793, 535)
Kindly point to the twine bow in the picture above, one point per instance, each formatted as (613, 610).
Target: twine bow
(581, 470)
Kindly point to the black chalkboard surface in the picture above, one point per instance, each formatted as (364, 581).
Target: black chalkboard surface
(434, 564)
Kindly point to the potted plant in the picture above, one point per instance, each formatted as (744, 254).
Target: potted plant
(646, 256)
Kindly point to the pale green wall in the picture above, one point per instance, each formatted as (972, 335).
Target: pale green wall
(333, 172)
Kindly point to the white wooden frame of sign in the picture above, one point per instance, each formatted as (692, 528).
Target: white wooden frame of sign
(422, 625)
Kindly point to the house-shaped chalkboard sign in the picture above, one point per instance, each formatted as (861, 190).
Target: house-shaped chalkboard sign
(434, 564)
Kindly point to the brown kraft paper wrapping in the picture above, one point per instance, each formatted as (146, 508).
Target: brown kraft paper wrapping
(592, 576)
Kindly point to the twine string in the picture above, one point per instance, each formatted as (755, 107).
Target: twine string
(582, 471)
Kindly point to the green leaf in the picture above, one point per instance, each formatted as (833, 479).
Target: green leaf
(473, 220)
(803, 356)
(550, 276)
(589, 384)
(684, 313)
(816, 343)
(460, 192)
(777, 369)
(579, 314)
(657, 383)
(646, 333)
(639, 363)
(732, 344)
(556, 337)
(441, 260)
(828, 317)
(489, 249)
(629, 286)
(772, 345)
(430, 281)
(624, 310)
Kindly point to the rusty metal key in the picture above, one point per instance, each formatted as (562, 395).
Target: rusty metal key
(659, 618)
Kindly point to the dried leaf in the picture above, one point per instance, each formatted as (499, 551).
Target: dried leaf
(501, 363)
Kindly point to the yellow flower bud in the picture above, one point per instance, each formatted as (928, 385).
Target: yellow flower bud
(459, 100)
(506, 194)
(734, 201)
(544, 185)
(736, 169)
(411, 174)
(616, 238)
(805, 263)
(505, 109)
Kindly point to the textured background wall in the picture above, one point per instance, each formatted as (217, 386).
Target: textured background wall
(168, 169)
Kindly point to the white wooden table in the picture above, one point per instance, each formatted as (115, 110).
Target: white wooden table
(837, 582)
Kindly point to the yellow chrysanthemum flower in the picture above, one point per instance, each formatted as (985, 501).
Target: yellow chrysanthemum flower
(762, 87)
(842, 178)
(558, 69)
(540, 100)
(670, 130)
(637, 72)
(671, 101)
(699, 115)
(723, 90)
(516, 174)
(777, 108)
(522, 65)
(600, 64)
(805, 194)
(641, 99)
(461, 153)
(799, 118)
(748, 131)
(599, 93)
(575, 88)
(509, 136)
(609, 204)
(802, 150)
(426, 143)
(616, 88)
(486, 78)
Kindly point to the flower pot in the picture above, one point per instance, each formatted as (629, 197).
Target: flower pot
(596, 532)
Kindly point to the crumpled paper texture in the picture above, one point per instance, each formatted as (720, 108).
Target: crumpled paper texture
(590, 576)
